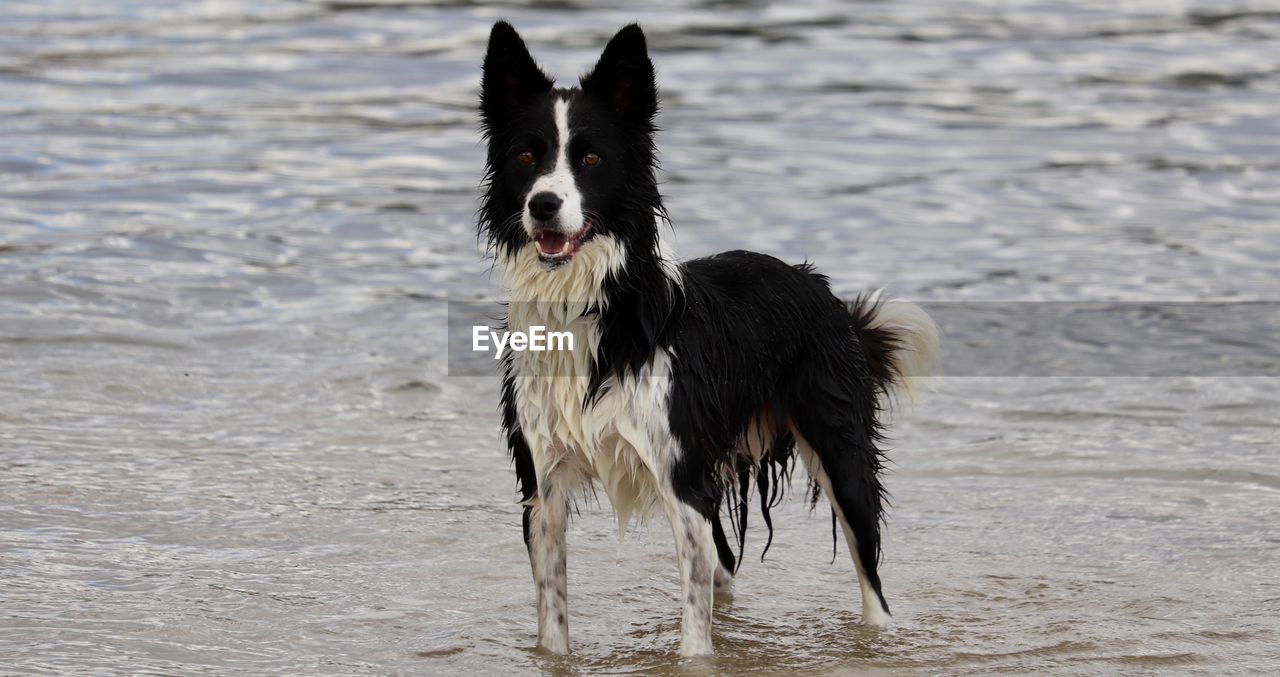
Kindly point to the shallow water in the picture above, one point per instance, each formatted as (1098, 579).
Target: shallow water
(228, 436)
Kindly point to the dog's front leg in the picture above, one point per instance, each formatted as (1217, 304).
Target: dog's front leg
(545, 517)
(696, 554)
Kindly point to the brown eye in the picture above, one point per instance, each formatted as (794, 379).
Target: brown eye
(525, 157)
(590, 159)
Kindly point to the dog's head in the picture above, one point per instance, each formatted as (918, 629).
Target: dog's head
(569, 169)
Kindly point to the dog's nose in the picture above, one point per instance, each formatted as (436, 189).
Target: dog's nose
(544, 205)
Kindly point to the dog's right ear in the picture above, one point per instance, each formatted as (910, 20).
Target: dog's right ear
(511, 80)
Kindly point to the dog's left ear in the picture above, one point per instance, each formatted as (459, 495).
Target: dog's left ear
(624, 78)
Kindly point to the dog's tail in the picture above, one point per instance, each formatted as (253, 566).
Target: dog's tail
(901, 342)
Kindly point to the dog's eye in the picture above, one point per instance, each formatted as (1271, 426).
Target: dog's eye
(525, 157)
(590, 159)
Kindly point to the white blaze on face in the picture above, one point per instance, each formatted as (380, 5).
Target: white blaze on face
(559, 181)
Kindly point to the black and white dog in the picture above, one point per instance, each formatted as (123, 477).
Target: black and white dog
(692, 378)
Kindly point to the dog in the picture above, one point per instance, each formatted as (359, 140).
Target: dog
(691, 379)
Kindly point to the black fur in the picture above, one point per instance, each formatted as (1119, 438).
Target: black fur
(526, 478)
(754, 342)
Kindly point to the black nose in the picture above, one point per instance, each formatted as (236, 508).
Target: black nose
(544, 205)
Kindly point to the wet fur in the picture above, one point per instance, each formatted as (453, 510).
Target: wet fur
(697, 379)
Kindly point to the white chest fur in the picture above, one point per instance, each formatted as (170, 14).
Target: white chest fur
(622, 437)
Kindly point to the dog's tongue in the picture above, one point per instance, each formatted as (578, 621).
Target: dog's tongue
(550, 242)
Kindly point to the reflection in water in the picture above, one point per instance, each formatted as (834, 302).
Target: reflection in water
(228, 437)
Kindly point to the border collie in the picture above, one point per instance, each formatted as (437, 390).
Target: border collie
(692, 379)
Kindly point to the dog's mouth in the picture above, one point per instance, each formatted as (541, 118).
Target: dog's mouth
(556, 249)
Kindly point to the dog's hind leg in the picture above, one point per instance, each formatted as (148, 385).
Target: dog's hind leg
(729, 561)
(724, 552)
(844, 461)
(545, 520)
(696, 555)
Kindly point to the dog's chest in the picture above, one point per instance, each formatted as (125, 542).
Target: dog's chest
(620, 437)
(551, 388)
